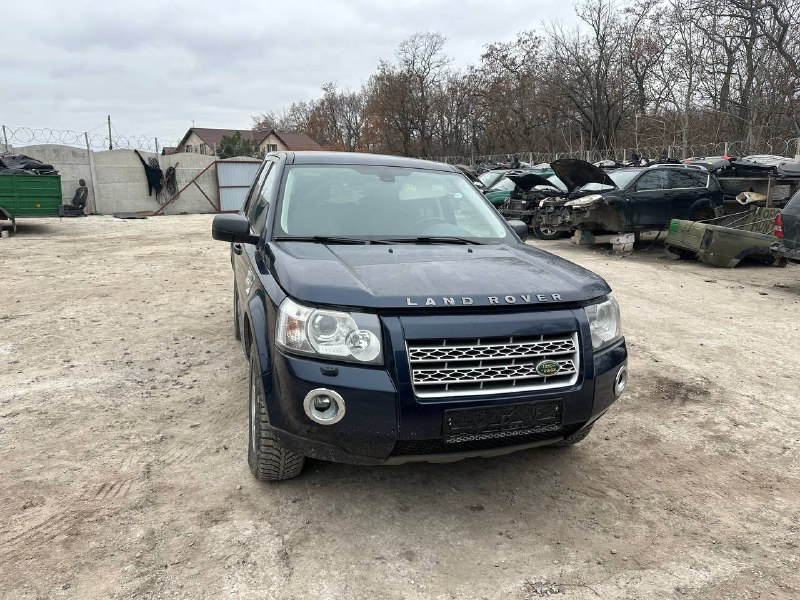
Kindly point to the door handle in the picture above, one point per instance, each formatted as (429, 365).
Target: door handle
(237, 248)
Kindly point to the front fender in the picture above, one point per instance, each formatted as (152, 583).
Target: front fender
(257, 318)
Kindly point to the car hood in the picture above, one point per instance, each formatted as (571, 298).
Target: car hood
(423, 276)
(576, 173)
(526, 181)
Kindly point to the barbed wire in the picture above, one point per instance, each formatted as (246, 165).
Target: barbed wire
(775, 146)
(16, 137)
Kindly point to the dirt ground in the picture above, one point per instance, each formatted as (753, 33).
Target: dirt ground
(123, 433)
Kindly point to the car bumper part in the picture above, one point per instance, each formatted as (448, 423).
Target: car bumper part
(387, 423)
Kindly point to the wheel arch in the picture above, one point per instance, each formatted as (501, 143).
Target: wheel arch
(255, 331)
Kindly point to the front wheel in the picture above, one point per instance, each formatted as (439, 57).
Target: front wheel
(268, 459)
(547, 232)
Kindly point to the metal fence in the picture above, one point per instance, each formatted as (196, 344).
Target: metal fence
(777, 146)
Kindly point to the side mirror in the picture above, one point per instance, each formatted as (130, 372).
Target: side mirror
(232, 228)
(520, 228)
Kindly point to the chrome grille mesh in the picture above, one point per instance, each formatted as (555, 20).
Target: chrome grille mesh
(489, 366)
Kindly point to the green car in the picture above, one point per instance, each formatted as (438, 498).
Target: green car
(499, 187)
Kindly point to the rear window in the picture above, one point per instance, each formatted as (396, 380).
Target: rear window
(686, 179)
(794, 203)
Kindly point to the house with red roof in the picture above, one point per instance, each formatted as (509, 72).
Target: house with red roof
(204, 140)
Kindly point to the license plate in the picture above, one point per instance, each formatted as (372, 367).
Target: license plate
(468, 424)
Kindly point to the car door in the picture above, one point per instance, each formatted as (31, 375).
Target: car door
(255, 211)
(686, 192)
(649, 200)
(790, 220)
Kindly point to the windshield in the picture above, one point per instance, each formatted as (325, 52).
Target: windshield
(504, 185)
(557, 183)
(622, 177)
(375, 202)
(489, 177)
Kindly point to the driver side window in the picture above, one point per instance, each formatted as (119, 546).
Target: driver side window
(257, 183)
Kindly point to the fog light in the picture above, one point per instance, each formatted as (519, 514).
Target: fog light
(324, 406)
(621, 381)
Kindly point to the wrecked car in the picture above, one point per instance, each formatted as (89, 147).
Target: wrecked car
(503, 188)
(628, 200)
(522, 203)
(748, 235)
(787, 229)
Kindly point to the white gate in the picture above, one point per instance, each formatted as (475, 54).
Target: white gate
(234, 179)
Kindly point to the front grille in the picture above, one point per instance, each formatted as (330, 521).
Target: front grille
(417, 447)
(468, 367)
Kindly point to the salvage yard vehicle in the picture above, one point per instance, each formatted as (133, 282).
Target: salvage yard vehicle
(787, 229)
(628, 200)
(529, 189)
(507, 185)
(728, 241)
(390, 315)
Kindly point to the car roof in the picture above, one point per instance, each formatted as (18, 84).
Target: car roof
(362, 158)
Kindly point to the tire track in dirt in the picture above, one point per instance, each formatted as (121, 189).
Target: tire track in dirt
(35, 536)
(108, 490)
(203, 436)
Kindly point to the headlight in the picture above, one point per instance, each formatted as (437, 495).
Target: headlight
(604, 322)
(585, 201)
(345, 336)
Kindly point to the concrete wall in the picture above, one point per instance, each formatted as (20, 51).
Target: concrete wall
(122, 184)
(117, 182)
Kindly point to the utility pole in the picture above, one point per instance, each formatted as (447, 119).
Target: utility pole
(5, 138)
(110, 143)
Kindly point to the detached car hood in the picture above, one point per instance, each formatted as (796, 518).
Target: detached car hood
(576, 173)
(420, 276)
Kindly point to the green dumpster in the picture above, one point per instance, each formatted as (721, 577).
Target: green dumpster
(29, 196)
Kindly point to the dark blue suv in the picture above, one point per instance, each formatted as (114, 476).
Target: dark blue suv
(391, 315)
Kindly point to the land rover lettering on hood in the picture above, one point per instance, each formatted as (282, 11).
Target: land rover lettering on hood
(390, 315)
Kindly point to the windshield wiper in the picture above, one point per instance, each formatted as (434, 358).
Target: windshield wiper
(432, 239)
(321, 239)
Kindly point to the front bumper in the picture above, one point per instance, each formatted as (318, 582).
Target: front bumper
(386, 423)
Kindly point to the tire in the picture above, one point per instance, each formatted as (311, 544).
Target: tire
(681, 253)
(702, 214)
(267, 458)
(548, 233)
(574, 438)
(236, 330)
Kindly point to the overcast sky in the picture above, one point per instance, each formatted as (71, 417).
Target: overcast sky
(157, 66)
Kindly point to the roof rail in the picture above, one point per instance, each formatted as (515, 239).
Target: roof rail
(674, 166)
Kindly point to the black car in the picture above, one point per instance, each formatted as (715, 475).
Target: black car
(629, 199)
(787, 228)
(390, 315)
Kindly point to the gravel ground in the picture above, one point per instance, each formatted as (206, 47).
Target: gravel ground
(123, 442)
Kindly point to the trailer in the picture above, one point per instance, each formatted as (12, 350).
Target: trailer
(26, 196)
